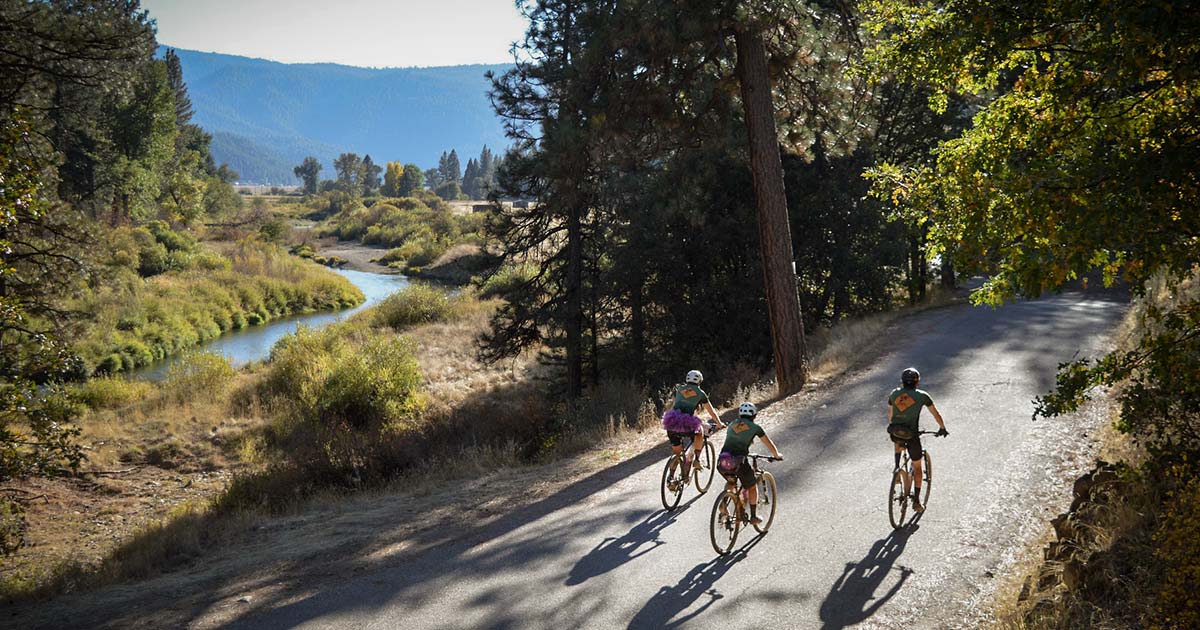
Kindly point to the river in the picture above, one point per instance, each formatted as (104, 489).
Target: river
(254, 343)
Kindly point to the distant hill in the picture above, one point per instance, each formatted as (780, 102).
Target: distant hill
(266, 116)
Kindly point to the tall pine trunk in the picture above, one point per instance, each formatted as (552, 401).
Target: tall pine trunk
(783, 304)
(574, 295)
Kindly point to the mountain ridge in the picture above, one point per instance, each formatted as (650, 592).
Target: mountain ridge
(266, 116)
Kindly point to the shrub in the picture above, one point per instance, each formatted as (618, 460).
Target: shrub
(111, 391)
(203, 373)
(1177, 547)
(416, 304)
(339, 394)
(505, 280)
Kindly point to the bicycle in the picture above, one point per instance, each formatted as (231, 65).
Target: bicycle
(729, 511)
(902, 483)
(673, 482)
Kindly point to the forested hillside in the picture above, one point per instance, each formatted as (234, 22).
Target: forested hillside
(266, 117)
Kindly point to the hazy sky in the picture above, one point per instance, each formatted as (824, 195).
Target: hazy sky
(380, 33)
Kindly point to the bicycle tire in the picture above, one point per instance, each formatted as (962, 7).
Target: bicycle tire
(709, 456)
(897, 499)
(672, 472)
(767, 499)
(724, 525)
(927, 478)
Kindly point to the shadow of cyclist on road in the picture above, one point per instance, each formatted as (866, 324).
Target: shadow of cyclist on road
(669, 601)
(614, 552)
(852, 598)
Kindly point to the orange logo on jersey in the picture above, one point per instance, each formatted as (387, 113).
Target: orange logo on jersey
(741, 427)
(904, 401)
(688, 392)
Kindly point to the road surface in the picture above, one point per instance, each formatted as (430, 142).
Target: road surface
(603, 553)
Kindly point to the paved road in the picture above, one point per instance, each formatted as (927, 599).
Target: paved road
(603, 554)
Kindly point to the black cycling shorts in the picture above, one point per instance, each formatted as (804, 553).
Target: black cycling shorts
(913, 444)
(680, 439)
(744, 473)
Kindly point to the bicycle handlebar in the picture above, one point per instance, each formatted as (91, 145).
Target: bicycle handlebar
(769, 458)
(933, 433)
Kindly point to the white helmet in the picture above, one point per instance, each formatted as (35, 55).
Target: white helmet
(747, 410)
(694, 377)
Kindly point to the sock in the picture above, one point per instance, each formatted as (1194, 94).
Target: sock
(897, 460)
(916, 492)
(752, 510)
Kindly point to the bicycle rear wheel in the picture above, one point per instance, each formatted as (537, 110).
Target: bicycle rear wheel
(767, 500)
(673, 482)
(704, 476)
(897, 499)
(927, 478)
(724, 525)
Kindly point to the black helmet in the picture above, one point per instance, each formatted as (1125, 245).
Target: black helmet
(910, 377)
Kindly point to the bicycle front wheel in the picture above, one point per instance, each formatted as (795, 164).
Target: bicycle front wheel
(724, 525)
(927, 478)
(897, 499)
(767, 500)
(671, 488)
(704, 475)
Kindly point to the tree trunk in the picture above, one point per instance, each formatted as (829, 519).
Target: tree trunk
(637, 331)
(914, 276)
(947, 270)
(783, 304)
(574, 320)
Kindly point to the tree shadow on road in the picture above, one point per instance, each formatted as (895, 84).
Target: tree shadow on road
(852, 598)
(611, 552)
(670, 601)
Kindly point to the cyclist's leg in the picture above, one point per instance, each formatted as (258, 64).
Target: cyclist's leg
(697, 445)
(898, 450)
(915, 453)
(750, 486)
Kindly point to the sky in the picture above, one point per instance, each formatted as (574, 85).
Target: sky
(371, 33)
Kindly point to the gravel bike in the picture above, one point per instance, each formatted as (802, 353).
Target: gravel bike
(900, 489)
(673, 481)
(729, 511)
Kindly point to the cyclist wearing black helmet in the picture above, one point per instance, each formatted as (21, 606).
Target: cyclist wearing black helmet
(904, 414)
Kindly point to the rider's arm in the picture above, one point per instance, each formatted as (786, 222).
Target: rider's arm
(891, 410)
(771, 445)
(713, 414)
(937, 416)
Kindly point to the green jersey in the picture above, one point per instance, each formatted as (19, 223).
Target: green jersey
(906, 406)
(740, 434)
(688, 397)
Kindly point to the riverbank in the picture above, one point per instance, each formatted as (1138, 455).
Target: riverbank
(358, 257)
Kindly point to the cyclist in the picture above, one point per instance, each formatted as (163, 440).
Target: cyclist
(904, 413)
(733, 463)
(681, 422)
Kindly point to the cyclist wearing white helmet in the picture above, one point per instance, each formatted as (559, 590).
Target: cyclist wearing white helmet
(681, 422)
(904, 415)
(733, 463)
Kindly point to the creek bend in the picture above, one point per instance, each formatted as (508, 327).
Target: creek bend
(254, 343)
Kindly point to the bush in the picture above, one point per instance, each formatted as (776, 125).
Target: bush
(198, 373)
(1177, 547)
(111, 391)
(416, 304)
(505, 281)
(341, 397)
